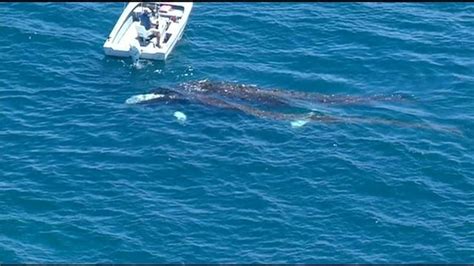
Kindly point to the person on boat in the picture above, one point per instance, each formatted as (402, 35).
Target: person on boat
(157, 34)
(150, 26)
(145, 20)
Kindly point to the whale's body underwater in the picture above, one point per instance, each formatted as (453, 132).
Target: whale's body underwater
(263, 103)
(195, 91)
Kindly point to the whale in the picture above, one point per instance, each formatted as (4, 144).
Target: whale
(268, 103)
(192, 91)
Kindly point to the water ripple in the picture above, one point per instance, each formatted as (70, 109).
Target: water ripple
(87, 178)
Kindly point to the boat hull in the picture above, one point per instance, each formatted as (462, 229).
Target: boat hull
(119, 42)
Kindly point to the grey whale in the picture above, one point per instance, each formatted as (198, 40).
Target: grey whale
(261, 103)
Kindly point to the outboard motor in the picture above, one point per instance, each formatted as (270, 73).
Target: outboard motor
(135, 51)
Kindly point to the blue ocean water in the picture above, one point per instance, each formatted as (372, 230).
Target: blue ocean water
(87, 178)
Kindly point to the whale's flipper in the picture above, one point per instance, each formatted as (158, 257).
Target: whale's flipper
(180, 116)
(298, 123)
(301, 122)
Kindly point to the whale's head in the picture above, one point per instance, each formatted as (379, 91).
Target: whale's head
(159, 95)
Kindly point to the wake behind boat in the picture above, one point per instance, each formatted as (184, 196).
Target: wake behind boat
(148, 30)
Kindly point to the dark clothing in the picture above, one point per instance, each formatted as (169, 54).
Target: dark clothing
(145, 20)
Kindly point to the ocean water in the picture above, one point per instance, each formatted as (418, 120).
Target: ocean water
(85, 177)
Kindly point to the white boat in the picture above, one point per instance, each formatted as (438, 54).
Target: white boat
(130, 38)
